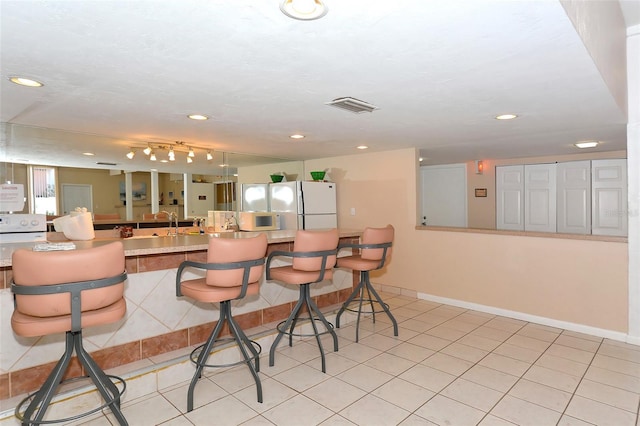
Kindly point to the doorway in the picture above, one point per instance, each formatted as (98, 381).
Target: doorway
(444, 195)
(76, 195)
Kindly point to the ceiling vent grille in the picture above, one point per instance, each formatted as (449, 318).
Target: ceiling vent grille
(353, 105)
(102, 163)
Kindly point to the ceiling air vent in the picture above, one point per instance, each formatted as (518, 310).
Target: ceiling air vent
(101, 163)
(352, 104)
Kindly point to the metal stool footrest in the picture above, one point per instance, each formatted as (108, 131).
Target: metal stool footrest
(19, 413)
(196, 352)
(370, 302)
(282, 330)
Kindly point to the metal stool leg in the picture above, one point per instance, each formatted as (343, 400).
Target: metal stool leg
(384, 305)
(243, 341)
(314, 314)
(281, 331)
(202, 359)
(365, 285)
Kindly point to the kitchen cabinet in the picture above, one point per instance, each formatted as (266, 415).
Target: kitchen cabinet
(580, 197)
(609, 194)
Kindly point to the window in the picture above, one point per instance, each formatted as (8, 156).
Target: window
(43, 190)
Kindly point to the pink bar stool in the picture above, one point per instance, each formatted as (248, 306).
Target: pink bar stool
(313, 259)
(234, 270)
(67, 291)
(375, 250)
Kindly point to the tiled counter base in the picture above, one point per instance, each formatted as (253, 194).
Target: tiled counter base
(156, 373)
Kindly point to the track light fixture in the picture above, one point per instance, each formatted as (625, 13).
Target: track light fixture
(178, 147)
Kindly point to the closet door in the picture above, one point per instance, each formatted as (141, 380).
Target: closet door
(574, 197)
(510, 198)
(540, 198)
(609, 195)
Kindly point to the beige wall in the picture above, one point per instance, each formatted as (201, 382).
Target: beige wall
(572, 281)
(262, 173)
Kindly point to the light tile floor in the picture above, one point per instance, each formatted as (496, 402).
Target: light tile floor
(448, 366)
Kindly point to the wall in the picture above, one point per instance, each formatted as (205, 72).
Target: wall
(601, 26)
(261, 173)
(579, 283)
(105, 188)
(482, 211)
(16, 173)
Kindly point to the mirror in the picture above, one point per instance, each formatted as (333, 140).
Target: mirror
(101, 178)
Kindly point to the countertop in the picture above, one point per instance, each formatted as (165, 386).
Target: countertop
(148, 244)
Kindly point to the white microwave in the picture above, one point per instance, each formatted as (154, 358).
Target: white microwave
(258, 221)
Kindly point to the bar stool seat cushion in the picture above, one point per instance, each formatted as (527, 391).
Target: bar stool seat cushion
(357, 263)
(288, 275)
(32, 326)
(201, 291)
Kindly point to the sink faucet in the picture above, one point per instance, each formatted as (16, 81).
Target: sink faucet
(199, 222)
(172, 217)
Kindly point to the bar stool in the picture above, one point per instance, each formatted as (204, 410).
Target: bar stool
(234, 270)
(313, 259)
(66, 291)
(375, 250)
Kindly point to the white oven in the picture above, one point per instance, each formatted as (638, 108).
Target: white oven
(23, 228)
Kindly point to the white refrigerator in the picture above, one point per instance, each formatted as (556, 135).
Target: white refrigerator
(255, 197)
(304, 204)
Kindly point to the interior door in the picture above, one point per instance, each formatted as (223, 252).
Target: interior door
(609, 194)
(510, 198)
(76, 195)
(444, 195)
(574, 197)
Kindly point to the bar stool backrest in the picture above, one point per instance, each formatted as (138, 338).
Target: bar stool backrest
(377, 236)
(314, 240)
(32, 268)
(229, 250)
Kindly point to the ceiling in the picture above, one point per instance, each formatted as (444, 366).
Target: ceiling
(122, 74)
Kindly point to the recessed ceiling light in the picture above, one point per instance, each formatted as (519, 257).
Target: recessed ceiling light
(506, 117)
(420, 159)
(25, 82)
(198, 117)
(296, 136)
(586, 144)
(88, 154)
(362, 147)
(305, 10)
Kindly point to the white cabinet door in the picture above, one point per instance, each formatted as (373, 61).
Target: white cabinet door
(540, 198)
(574, 197)
(609, 195)
(509, 198)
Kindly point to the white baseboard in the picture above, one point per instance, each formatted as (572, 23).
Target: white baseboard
(579, 328)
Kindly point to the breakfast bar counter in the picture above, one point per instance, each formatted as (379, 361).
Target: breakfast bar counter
(157, 321)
